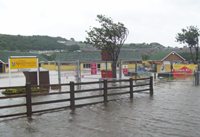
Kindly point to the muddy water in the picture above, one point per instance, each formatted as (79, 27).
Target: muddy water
(173, 111)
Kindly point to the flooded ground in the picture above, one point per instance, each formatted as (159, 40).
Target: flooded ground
(18, 78)
(173, 111)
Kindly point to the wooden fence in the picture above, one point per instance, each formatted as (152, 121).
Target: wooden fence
(104, 92)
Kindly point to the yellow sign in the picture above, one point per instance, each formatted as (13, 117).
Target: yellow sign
(193, 67)
(23, 62)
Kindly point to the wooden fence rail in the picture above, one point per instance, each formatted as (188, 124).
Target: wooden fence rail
(73, 95)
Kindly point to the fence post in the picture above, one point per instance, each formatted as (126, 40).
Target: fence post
(105, 90)
(28, 100)
(100, 83)
(151, 85)
(72, 101)
(197, 77)
(131, 87)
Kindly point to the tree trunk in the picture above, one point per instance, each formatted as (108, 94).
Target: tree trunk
(197, 54)
(191, 54)
(197, 58)
(114, 69)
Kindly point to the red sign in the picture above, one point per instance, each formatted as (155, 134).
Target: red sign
(125, 71)
(93, 67)
(182, 72)
(106, 74)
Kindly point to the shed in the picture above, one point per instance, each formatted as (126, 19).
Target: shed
(166, 57)
(2, 66)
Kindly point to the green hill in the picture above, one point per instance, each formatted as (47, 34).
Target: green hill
(36, 42)
(5, 55)
(27, 43)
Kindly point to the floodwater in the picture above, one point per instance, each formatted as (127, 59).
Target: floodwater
(173, 111)
(18, 78)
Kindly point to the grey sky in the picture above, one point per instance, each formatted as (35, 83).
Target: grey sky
(147, 20)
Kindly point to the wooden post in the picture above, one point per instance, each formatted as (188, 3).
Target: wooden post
(151, 85)
(100, 83)
(28, 100)
(72, 101)
(195, 78)
(120, 69)
(136, 70)
(105, 90)
(131, 87)
(198, 77)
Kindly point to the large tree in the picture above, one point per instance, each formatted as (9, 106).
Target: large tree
(190, 36)
(109, 37)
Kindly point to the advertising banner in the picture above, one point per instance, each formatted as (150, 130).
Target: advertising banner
(23, 62)
(93, 67)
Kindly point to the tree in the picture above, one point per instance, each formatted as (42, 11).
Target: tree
(190, 36)
(73, 47)
(109, 37)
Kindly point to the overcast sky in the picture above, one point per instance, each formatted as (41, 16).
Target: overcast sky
(147, 20)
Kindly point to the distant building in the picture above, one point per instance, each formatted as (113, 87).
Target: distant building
(2, 66)
(167, 57)
(164, 60)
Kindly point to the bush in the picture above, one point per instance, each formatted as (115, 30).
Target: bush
(14, 91)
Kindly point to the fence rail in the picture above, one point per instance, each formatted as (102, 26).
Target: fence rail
(73, 96)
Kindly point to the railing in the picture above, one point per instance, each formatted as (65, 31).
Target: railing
(74, 97)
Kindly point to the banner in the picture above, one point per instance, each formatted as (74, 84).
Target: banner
(182, 71)
(125, 69)
(93, 68)
(23, 62)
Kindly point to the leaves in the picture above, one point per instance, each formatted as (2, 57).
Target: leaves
(189, 36)
(109, 37)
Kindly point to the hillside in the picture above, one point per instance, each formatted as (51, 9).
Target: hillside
(45, 43)
(27, 43)
(50, 46)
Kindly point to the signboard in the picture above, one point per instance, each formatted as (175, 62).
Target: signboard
(106, 74)
(182, 72)
(23, 62)
(125, 69)
(93, 67)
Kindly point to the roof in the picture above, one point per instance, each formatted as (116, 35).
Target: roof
(94, 55)
(173, 52)
(4, 55)
(159, 55)
(162, 55)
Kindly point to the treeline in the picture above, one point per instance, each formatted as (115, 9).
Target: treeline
(144, 45)
(27, 43)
